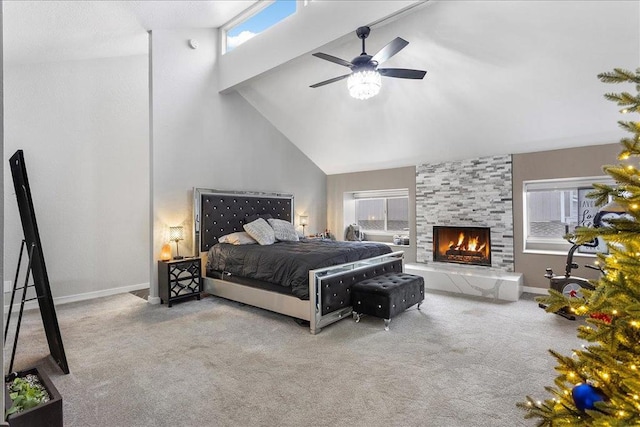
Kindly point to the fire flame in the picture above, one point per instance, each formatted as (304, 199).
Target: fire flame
(473, 244)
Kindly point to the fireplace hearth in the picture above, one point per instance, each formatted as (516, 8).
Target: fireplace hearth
(462, 245)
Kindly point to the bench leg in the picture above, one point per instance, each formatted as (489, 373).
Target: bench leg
(419, 304)
(356, 316)
(386, 324)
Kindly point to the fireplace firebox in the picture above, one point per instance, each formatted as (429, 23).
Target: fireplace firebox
(462, 245)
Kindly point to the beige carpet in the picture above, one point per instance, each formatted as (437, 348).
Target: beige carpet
(458, 362)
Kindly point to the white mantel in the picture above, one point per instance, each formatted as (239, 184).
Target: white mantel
(469, 280)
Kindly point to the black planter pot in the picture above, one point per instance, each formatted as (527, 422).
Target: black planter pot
(47, 414)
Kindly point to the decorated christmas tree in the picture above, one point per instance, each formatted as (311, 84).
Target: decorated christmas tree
(599, 384)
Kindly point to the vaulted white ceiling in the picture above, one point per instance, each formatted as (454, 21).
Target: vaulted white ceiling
(503, 76)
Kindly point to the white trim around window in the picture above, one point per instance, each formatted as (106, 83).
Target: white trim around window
(566, 211)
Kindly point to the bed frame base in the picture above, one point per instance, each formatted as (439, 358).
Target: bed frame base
(328, 319)
(273, 301)
(292, 306)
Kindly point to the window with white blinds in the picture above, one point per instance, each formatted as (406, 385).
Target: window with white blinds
(382, 211)
(551, 210)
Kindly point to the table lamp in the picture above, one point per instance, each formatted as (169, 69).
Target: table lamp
(176, 234)
(304, 221)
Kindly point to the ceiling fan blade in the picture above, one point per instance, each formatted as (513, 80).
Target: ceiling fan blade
(402, 73)
(389, 50)
(326, 82)
(333, 59)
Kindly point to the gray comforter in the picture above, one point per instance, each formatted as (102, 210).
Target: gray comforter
(288, 263)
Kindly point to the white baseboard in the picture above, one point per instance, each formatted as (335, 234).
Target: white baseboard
(535, 290)
(79, 297)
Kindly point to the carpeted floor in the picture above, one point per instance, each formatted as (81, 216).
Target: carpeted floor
(458, 362)
(142, 293)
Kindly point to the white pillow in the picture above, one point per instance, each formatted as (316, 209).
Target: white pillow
(238, 238)
(283, 230)
(261, 231)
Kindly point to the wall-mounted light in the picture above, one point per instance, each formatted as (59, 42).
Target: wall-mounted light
(304, 221)
(176, 234)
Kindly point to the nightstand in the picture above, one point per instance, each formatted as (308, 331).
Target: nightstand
(179, 279)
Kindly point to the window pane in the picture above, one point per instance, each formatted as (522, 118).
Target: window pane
(551, 209)
(397, 214)
(259, 22)
(370, 214)
(551, 212)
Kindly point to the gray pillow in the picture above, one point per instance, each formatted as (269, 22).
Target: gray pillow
(261, 231)
(238, 238)
(283, 230)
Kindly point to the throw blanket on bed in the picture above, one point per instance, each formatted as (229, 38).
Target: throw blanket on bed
(288, 263)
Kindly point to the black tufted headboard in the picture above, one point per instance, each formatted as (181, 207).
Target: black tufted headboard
(217, 212)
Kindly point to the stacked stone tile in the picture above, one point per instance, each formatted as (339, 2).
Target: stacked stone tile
(472, 193)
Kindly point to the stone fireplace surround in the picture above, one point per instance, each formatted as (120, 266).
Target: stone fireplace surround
(474, 193)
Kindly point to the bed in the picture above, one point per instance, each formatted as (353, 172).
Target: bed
(298, 294)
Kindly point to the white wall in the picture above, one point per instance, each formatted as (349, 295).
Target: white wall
(205, 139)
(83, 126)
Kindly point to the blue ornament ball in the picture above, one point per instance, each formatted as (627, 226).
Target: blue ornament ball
(585, 396)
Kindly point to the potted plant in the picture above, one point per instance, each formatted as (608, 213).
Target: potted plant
(32, 400)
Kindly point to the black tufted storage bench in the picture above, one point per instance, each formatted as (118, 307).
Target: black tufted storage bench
(387, 295)
(336, 289)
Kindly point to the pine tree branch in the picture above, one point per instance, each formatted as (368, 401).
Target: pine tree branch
(633, 127)
(623, 175)
(619, 75)
(623, 99)
(601, 193)
(632, 147)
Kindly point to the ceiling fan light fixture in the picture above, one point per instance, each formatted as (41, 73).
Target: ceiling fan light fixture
(365, 80)
(364, 84)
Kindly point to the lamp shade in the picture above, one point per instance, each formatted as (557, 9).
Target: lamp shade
(364, 84)
(176, 233)
(304, 220)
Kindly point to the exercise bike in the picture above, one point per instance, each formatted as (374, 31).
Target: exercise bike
(568, 285)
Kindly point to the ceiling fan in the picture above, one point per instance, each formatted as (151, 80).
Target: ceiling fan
(364, 79)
